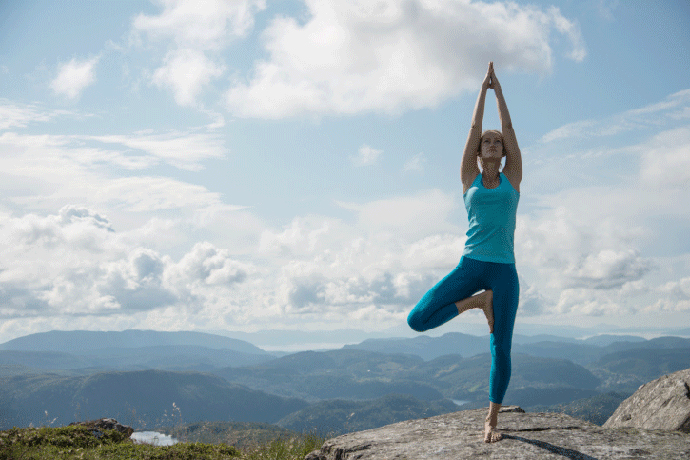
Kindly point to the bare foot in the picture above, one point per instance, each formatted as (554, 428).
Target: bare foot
(484, 301)
(490, 433)
(488, 308)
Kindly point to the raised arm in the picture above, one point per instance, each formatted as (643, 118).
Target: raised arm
(469, 169)
(513, 165)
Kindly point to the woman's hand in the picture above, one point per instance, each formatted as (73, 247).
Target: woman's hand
(486, 84)
(493, 81)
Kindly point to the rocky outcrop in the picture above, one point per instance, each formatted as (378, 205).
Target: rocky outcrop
(106, 424)
(662, 404)
(458, 435)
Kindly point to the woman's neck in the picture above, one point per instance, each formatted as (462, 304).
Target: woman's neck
(491, 177)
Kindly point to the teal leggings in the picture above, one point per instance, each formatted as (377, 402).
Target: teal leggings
(470, 276)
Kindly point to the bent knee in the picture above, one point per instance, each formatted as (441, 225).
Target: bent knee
(415, 322)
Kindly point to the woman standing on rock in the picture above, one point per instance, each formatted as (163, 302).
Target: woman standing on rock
(488, 262)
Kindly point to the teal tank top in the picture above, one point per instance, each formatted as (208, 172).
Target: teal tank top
(492, 214)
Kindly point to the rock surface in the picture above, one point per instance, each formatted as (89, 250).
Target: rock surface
(662, 404)
(106, 424)
(458, 435)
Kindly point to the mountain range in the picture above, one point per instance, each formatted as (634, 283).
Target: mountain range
(136, 376)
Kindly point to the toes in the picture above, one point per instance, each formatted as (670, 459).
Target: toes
(492, 436)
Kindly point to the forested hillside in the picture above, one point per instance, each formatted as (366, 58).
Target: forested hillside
(355, 387)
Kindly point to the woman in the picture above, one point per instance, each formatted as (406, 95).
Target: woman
(488, 262)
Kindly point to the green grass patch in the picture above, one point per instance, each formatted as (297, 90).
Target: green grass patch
(81, 443)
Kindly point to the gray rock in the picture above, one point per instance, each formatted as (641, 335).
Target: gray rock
(106, 424)
(458, 435)
(662, 404)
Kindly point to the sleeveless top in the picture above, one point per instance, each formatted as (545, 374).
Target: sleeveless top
(492, 214)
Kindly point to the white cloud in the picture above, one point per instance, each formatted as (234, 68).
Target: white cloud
(31, 277)
(200, 31)
(585, 302)
(606, 8)
(201, 25)
(608, 268)
(440, 251)
(532, 302)
(570, 30)
(350, 57)
(29, 163)
(305, 235)
(419, 214)
(666, 159)
(147, 194)
(74, 76)
(366, 156)
(186, 72)
(183, 150)
(674, 107)
(579, 250)
(99, 273)
(211, 266)
(13, 115)
(416, 163)
(604, 223)
(330, 267)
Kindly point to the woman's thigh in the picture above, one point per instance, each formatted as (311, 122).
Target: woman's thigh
(465, 280)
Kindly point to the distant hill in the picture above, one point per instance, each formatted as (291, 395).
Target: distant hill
(52, 360)
(595, 409)
(657, 343)
(544, 345)
(129, 350)
(362, 374)
(579, 353)
(468, 379)
(347, 374)
(645, 364)
(139, 399)
(89, 342)
(428, 347)
(339, 416)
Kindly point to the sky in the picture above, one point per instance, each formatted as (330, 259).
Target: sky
(252, 165)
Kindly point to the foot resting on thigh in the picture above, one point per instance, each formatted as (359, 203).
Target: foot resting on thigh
(488, 308)
(483, 301)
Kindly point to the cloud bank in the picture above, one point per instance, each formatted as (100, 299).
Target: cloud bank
(394, 55)
(350, 57)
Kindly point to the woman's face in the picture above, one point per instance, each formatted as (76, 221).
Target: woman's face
(491, 146)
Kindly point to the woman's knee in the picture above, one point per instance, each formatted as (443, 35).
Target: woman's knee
(414, 320)
(501, 351)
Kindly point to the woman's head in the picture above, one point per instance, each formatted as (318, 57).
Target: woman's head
(491, 144)
(491, 150)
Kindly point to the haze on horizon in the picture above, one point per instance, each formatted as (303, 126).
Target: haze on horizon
(255, 165)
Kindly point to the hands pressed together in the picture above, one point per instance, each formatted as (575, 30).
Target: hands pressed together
(490, 80)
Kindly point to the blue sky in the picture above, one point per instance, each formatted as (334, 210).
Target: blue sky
(248, 165)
